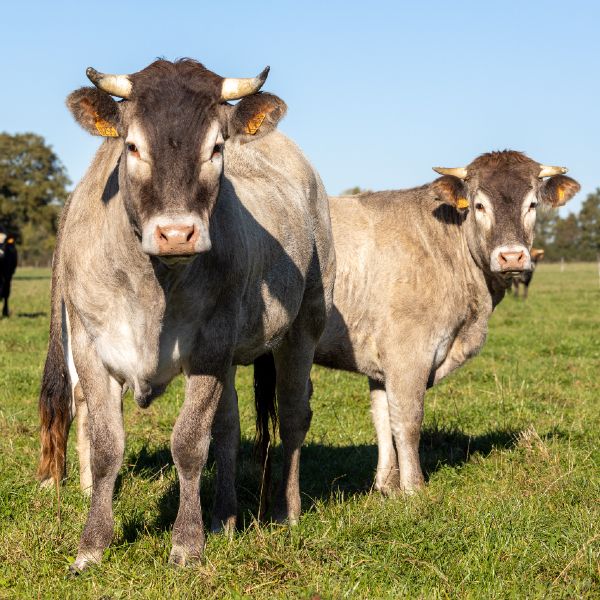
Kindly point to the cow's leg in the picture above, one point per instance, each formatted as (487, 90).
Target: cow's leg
(405, 387)
(189, 445)
(83, 441)
(387, 478)
(293, 361)
(226, 443)
(516, 287)
(105, 423)
(525, 291)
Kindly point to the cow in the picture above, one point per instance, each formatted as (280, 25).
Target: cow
(8, 265)
(525, 277)
(198, 240)
(419, 272)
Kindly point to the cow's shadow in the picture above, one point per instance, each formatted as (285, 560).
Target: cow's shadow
(327, 473)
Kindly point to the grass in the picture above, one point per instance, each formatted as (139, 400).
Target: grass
(510, 450)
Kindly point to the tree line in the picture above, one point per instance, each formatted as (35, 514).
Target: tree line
(33, 188)
(34, 182)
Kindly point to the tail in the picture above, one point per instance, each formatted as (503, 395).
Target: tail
(54, 406)
(266, 410)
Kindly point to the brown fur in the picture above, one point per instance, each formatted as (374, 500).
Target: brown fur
(54, 406)
(416, 284)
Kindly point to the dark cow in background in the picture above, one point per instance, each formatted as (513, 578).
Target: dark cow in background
(419, 272)
(8, 264)
(199, 239)
(525, 277)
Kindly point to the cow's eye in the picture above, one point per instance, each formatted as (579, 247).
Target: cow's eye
(479, 207)
(532, 206)
(132, 148)
(217, 150)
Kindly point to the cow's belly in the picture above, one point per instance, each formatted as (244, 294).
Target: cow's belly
(266, 320)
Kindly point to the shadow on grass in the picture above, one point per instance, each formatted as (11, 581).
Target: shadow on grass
(19, 277)
(33, 315)
(326, 471)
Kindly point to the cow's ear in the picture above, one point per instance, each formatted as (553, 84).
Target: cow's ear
(558, 190)
(255, 116)
(451, 190)
(537, 254)
(95, 111)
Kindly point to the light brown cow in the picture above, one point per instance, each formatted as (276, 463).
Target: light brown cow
(199, 239)
(419, 272)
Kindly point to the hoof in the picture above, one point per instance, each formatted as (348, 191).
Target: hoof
(227, 526)
(284, 518)
(181, 557)
(47, 483)
(84, 561)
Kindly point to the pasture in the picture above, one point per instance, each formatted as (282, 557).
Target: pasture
(510, 450)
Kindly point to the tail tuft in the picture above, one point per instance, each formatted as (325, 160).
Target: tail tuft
(54, 410)
(265, 378)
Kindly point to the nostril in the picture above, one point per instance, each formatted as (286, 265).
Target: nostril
(190, 233)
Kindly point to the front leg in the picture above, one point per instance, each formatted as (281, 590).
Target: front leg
(189, 445)
(405, 387)
(107, 444)
(226, 443)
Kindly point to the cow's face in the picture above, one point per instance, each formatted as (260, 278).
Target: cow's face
(498, 193)
(172, 124)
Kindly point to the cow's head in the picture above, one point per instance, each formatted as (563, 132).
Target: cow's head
(499, 193)
(6, 241)
(172, 122)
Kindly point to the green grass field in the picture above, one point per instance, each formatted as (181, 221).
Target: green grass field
(510, 450)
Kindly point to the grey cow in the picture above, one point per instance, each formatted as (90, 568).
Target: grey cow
(199, 239)
(419, 272)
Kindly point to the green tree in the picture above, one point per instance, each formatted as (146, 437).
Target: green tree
(353, 191)
(589, 224)
(567, 239)
(544, 228)
(33, 184)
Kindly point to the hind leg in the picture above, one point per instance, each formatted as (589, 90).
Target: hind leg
(387, 478)
(226, 442)
(83, 441)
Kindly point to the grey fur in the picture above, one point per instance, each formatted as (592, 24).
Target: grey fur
(266, 285)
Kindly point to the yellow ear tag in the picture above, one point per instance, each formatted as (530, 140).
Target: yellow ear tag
(105, 129)
(10, 241)
(255, 122)
(561, 194)
(462, 203)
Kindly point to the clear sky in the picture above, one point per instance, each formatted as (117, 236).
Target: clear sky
(378, 92)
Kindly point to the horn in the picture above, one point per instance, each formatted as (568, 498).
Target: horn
(115, 85)
(234, 89)
(460, 172)
(550, 171)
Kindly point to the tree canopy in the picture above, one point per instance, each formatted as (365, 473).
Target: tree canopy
(33, 187)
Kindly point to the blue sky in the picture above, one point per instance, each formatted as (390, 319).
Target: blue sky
(378, 92)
